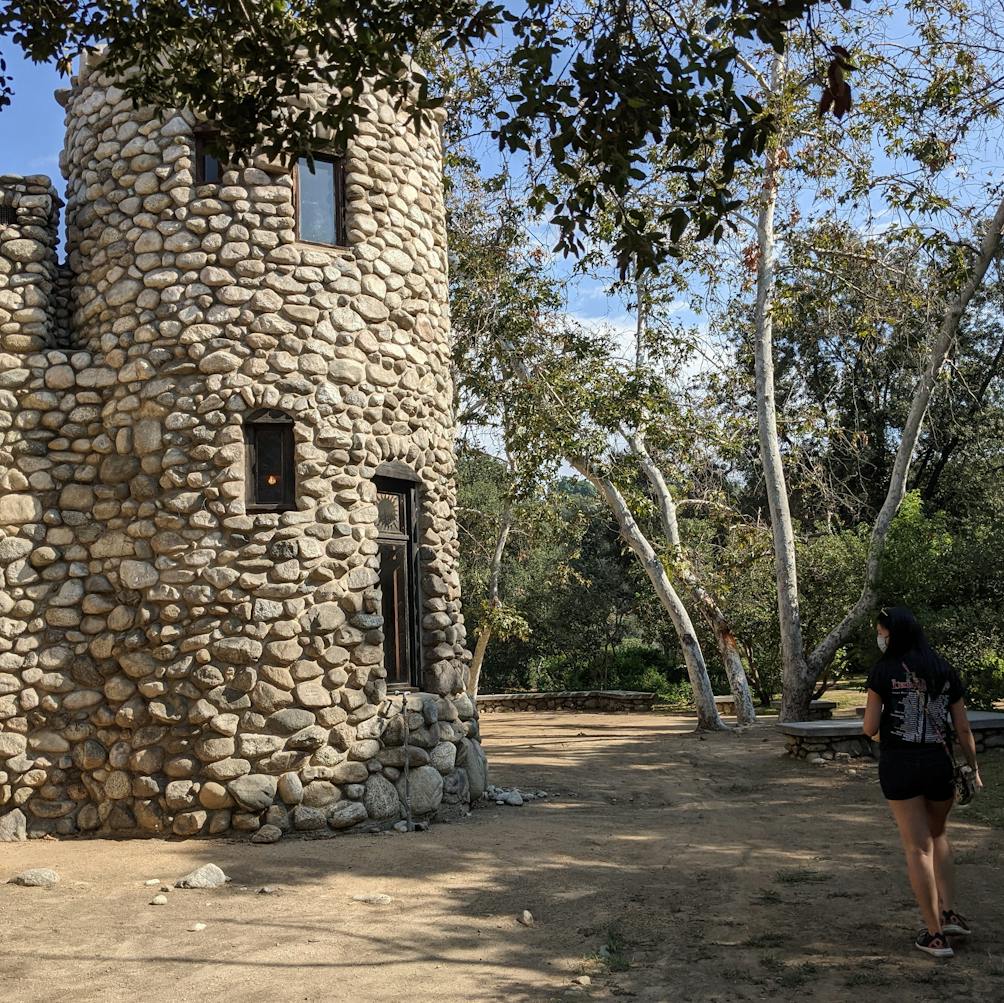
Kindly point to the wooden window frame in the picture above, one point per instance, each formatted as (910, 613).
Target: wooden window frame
(341, 238)
(409, 489)
(264, 418)
(200, 152)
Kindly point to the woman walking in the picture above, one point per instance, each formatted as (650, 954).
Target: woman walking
(912, 694)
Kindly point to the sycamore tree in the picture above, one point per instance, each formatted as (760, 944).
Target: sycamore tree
(553, 392)
(927, 84)
(931, 79)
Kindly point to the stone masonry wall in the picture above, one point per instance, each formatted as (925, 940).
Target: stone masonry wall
(169, 662)
(606, 701)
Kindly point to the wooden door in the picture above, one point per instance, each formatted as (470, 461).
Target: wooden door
(396, 537)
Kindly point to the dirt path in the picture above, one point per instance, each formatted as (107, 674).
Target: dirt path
(702, 868)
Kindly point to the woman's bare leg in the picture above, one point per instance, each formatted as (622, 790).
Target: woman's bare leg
(944, 868)
(918, 846)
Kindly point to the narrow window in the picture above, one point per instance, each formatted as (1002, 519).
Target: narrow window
(207, 167)
(396, 538)
(270, 479)
(8, 215)
(321, 201)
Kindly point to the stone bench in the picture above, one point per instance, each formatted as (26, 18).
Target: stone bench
(819, 710)
(828, 738)
(609, 701)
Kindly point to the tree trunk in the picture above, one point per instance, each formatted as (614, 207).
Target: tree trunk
(728, 649)
(796, 690)
(474, 671)
(708, 717)
(485, 631)
(842, 633)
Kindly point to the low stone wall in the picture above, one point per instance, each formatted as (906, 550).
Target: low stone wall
(609, 701)
(828, 747)
(819, 710)
(829, 739)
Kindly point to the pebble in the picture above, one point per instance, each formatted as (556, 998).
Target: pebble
(151, 882)
(197, 928)
(373, 898)
(159, 900)
(582, 980)
(269, 890)
(526, 918)
(513, 796)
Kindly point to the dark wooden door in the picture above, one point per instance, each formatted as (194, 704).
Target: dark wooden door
(396, 537)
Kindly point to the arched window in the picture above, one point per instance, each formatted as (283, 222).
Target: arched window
(271, 476)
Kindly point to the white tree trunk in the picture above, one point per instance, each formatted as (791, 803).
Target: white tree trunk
(797, 682)
(708, 717)
(728, 649)
(948, 329)
(477, 660)
(485, 631)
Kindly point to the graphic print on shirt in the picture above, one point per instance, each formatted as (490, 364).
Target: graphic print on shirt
(908, 719)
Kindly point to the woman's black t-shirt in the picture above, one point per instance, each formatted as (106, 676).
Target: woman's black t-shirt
(911, 718)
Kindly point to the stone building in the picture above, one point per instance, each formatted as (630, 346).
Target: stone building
(227, 539)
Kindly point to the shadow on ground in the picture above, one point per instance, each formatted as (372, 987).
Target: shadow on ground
(665, 866)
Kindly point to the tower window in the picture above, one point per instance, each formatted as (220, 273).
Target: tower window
(271, 476)
(207, 168)
(8, 215)
(320, 213)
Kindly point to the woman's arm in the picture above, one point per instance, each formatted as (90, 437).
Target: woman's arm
(965, 734)
(873, 715)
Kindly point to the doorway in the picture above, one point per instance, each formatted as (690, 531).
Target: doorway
(399, 580)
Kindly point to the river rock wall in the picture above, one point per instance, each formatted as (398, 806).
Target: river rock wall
(169, 661)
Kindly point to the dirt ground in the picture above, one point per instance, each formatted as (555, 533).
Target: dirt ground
(665, 867)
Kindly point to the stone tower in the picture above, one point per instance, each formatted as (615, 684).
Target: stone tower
(227, 539)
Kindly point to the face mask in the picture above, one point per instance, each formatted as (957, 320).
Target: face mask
(882, 641)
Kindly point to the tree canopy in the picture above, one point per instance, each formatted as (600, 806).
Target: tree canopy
(592, 87)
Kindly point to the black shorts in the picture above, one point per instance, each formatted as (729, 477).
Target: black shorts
(916, 773)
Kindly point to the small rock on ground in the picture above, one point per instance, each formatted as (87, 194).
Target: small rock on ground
(269, 890)
(206, 876)
(151, 882)
(37, 877)
(159, 900)
(197, 928)
(267, 834)
(373, 898)
(527, 918)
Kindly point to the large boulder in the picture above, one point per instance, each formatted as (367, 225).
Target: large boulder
(424, 790)
(476, 764)
(13, 827)
(381, 800)
(346, 814)
(255, 792)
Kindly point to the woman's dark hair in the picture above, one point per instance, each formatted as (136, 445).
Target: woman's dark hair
(908, 643)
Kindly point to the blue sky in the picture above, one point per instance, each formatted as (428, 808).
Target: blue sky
(31, 136)
(31, 129)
